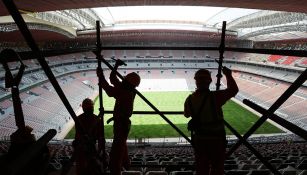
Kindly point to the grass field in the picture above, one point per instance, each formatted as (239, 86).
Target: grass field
(153, 126)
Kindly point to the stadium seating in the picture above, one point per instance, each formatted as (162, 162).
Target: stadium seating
(289, 156)
(43, 110)
(274, 58)
(42, 107)
(290, 60)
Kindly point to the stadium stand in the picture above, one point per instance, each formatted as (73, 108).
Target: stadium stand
(274, 58)
(40, 114)
(290, 60)
(287, 157)
(42, 107)
(267, 89)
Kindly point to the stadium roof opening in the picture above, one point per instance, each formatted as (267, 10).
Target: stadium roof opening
(168, 17)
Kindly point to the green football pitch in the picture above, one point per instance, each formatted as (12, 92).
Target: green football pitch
(153, 126)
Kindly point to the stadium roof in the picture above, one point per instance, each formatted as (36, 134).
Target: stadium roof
(125, 15)
(168, 16)
(51, 5)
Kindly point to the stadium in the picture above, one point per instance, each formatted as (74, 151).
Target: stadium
(165, 43)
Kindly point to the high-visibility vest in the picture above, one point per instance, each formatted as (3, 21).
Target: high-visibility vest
(207, 117)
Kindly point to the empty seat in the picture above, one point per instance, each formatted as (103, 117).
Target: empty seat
(230, 166)
(250, 167)
(177, 159)
(237, 172)
(230, 162)
(276, 161)
(137, 162)
(156, 173)
(182, 163)
(302, 166)
(166, 163)
(152, 168)
(304, 172)
(259, 172)
(169, 169)
(285, 165)
(136, 168)
(132, 173)
(181, 173)
(289, 170)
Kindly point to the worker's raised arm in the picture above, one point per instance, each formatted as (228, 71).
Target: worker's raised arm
(104, 84)
(231, 90)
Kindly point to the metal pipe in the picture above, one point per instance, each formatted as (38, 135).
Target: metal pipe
(218, 83)
(101, 108)
(150, 112)
(99, 58)
(220, 62)
(252, 149)
(294, 86)
(284, 123)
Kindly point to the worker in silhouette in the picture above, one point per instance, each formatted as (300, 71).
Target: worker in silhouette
(124, 93)
(88, 132)
(207, 126)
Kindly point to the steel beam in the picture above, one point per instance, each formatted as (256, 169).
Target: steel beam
(296, 84)
(286, 124)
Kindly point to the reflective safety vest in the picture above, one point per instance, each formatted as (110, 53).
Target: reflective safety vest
(207, 118)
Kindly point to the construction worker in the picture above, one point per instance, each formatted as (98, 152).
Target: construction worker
(123, 92)
(207, 126)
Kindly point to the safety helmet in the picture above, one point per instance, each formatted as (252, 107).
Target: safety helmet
(87, 104)
(28, 129)
(203, 74)
(133, 79)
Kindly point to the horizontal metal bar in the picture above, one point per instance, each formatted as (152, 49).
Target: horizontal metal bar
(151, 112)
(284, 123)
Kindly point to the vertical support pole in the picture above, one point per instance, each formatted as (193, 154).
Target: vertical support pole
(220, 62)
(101, 108)
(237, 134)
(99, 58)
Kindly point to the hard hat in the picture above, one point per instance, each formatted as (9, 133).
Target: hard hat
(133, 78)
(87, 103)
(28, 129)
(203, 74)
